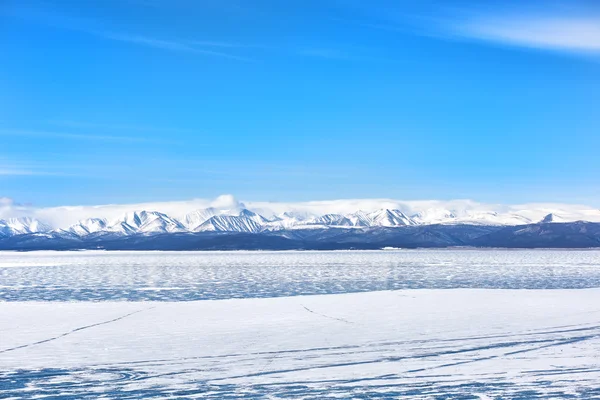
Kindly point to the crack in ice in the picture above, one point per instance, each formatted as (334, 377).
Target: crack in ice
(74, 331)
(326, 316)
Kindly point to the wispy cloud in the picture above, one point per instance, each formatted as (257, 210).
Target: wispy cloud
(15, 172)
(565, 26)
(230, 45)
(170, 45)
(26, 172)
(210, 43)
(345, 53)
(20, 168)
(98, 29)
(320, 52)
(117, 127)
(569, 33)
(74, 136)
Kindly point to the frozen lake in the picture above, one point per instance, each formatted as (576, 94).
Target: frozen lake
(419, 324)
(187, 276)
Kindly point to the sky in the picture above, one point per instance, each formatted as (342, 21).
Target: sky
(133, 101)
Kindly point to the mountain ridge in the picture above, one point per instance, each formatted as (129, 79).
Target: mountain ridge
(243, 220)
(231, 228)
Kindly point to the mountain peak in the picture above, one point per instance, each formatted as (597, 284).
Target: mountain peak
(230, 223)
(146, 222)
(88, 226)
(550, 218)
(387, 217)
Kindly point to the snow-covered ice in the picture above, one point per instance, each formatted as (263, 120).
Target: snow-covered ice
(420, 343)
(474, 341)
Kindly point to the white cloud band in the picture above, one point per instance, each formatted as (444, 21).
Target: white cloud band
(572, 34)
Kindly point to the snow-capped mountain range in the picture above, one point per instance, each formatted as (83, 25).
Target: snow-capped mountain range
(21, 226)
(240, 219)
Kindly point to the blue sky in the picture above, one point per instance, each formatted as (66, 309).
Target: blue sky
(118, 101)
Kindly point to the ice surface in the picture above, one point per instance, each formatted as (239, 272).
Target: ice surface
(184, 276)
(257, 334)
(422, 344)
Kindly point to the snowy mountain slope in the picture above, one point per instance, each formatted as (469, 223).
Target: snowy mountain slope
(88, 226)
(259, 219)
(387, 217)
(360, 218)
(468, 216)
(193, 220)
(383, 217)
(230, 223)
(196, 218)
(286, 220)
(21, 226)
(328, 220)
(145, 222)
